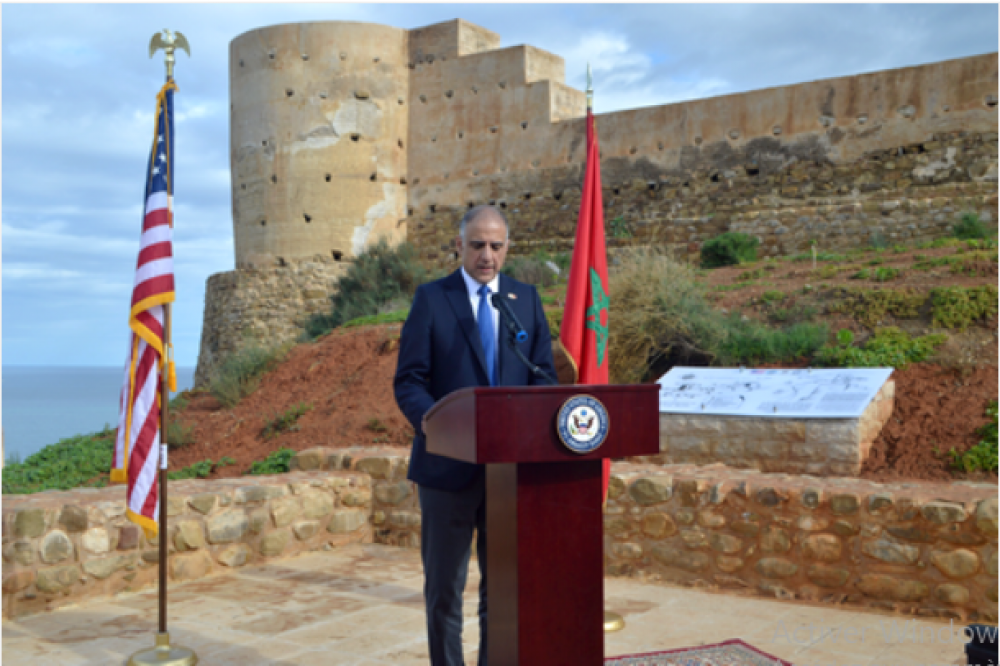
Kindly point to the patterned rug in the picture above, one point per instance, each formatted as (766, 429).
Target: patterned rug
(727, 653)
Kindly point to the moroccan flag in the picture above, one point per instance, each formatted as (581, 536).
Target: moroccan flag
(584, 329)
(137, 449)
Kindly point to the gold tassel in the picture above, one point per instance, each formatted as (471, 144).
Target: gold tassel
(171, 376)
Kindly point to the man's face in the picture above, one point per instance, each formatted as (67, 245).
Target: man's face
(484, 248)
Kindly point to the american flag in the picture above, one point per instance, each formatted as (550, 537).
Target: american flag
(137, 450)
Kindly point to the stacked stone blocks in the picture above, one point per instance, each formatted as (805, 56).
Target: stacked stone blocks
(823, 447)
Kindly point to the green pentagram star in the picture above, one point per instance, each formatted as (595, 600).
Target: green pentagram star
(599, 302)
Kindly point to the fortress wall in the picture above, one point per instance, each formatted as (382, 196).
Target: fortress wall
(319, 121)
(899, 153)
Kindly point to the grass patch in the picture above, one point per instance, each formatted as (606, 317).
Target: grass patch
(178, 435)
(383, 278)
(276, 463)
(240, 373)
(889, 347)
(286, 422)
(200, 470)
(395, 317)
(982, 456)
(79, 461)
(970, 227)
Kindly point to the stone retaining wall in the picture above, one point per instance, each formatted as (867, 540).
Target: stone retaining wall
(267, 304)
(824, 447)
(923, 548)
(66, 547)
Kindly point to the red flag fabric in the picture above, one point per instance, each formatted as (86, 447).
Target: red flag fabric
(584, 329)
(137, 451)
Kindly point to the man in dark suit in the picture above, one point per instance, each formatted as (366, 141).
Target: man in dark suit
(452, 340)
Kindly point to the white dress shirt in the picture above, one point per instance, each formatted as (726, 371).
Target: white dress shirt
(473, 288)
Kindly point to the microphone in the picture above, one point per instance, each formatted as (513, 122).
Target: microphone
(510, 319)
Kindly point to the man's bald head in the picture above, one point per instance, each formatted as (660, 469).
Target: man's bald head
(479, 212)
(482, 242)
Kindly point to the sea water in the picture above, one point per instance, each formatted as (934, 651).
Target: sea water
(44, 404)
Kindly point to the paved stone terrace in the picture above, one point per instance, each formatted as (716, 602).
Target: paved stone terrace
(361, 604)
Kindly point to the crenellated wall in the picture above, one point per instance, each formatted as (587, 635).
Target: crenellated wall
(346, 132)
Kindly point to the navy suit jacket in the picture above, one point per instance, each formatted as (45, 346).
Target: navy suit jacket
(440, 351)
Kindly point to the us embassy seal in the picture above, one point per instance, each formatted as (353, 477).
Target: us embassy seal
(582, 423)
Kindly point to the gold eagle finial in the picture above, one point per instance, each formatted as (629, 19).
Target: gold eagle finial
(169, 41)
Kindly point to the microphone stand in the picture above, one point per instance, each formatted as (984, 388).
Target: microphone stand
(535, 370)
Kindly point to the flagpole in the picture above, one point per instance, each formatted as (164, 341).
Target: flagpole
(163, 653)
(612, 621)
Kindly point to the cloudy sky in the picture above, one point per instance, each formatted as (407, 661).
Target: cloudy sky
(77, 112)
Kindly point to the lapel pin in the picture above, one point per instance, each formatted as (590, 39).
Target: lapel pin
(512, 296)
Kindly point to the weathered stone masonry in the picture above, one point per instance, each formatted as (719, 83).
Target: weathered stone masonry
(344, 132)
(929, 549)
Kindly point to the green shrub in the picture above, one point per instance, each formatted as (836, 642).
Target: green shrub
(178, 435)
(619, 228)
(959, 307)
(888, 347)
(531, 270)
(286, 422)
(982, 456)
(239, 374)
(82, 460)
(729, 249)
(877, 240)
(275, 463)
(382, 279)
(200, 470)
(970, 227)
(870, 307)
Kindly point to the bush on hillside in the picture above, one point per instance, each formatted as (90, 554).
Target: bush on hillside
(729, 249)
(382, 279)
(970, 227)
(659, 311)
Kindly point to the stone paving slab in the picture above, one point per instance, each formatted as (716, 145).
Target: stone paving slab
(362, 605)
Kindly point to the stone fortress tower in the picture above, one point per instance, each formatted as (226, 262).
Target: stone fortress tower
(343, 133)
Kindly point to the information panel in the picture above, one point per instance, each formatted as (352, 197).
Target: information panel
(807, 393)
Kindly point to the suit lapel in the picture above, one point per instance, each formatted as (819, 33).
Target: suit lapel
(506, 355)
(458, 298)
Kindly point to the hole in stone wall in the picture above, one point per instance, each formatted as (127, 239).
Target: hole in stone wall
(322, 95)
(446, 174)
(337, 255)
(471, 205)
(475, 172)
(327, 178)
(502, 84)
(432, 208)
(289, 92)
(659, 145)
(243, 186)
(616, 191)
(503, 205)
(264, 142)
(409, 210)
(305, 56)
(270, 55)
(416, 181)
(475, 90)
(274, 178)
(430, 59)
(282, 262)
(423, 99)
(263, 223)
(373, 177)
(714, 178)
(991, 101)
(343, 56)
(461, 135)
(527, 196)
(400, 143)
(776, 130)
(535, 163)
(307, 217)
(493, 202)
(557, 196)
(524, 125)
(434, 138)
(633, 150)
(753, 171)
(355, 136)
(652, 187)
(402, 181)
(400, 101)
(493, 130)
(734, 134)
(449, 93)
(241, 63)
(697, 140)
(376, 59)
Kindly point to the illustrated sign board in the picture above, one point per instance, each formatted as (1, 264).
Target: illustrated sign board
(807, 393)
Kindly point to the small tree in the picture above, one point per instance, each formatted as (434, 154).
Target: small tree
(729, 249)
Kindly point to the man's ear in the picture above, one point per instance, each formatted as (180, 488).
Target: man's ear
(458, 244)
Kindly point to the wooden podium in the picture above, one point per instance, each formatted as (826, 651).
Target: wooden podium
(544, 526)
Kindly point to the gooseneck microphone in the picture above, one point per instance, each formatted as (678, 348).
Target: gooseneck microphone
(517, 334)
(509, 318)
